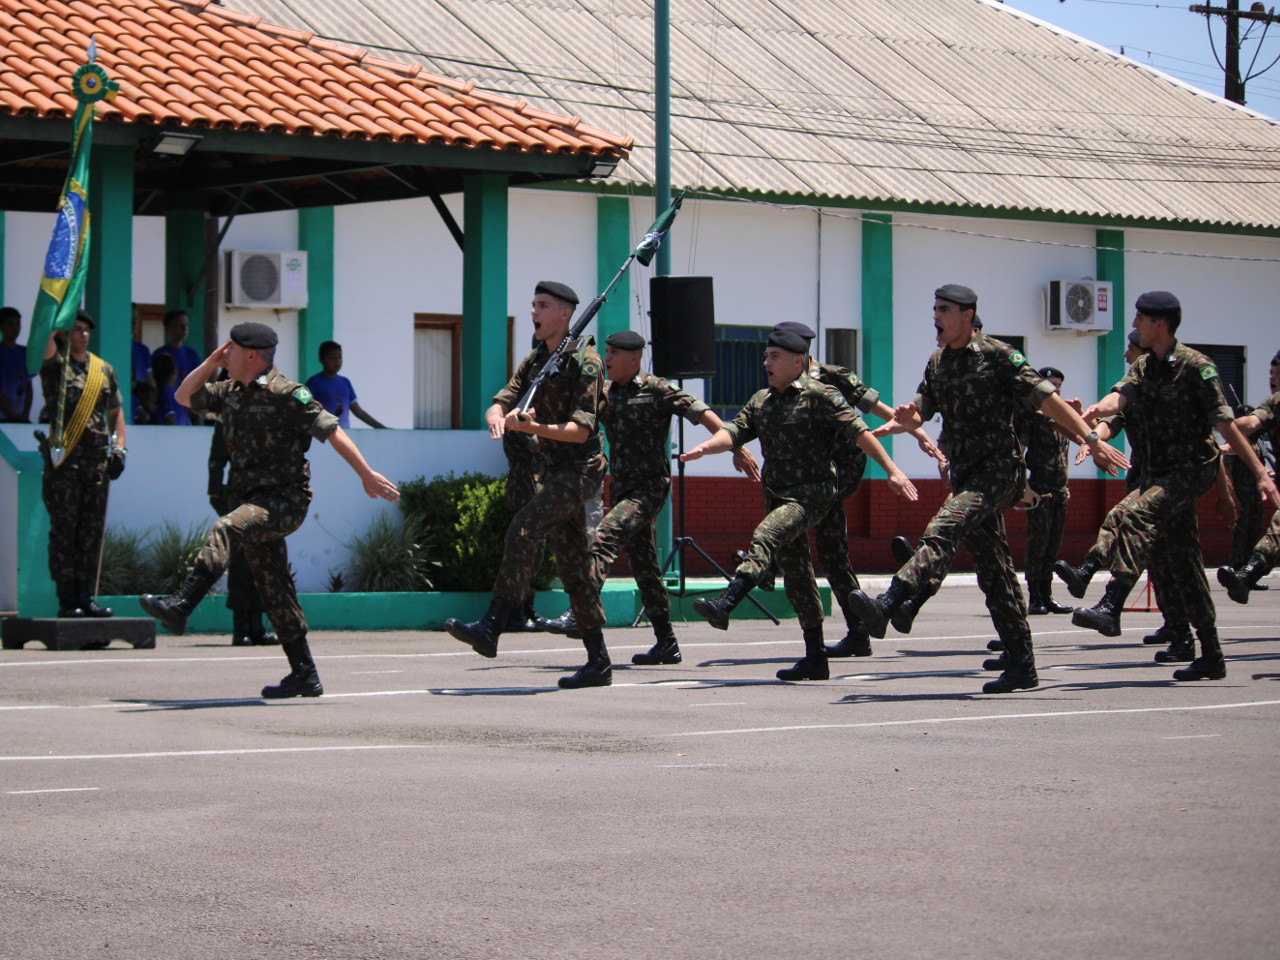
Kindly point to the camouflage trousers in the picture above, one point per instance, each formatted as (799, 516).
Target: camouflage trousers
(1267, 550)
(974, 515)
(75, 495)
(1249, 524)
(782, 539)
(1044, 535)
(628, 528)
(831, 544)
(1156, 527)
(556, 511)
(522, 484)
(258, 530)
(242, 592)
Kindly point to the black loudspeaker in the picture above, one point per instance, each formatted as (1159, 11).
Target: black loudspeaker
(683, 316)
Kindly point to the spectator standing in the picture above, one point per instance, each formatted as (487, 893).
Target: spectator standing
(15, 383)
(335, 392)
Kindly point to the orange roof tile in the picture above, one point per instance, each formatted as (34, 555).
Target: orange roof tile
(200, 65)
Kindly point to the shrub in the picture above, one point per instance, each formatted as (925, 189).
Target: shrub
(126, 565)
(390, 557)
(172, 551)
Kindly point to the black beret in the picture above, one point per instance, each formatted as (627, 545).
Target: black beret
(957, 293)
(1048, 372)
(1133, 339)
(788, 341)
(1157, 303)
(796, 327)
(82, 316)
(560, 291)
(977, 322)
(625, 340)
(254, 336)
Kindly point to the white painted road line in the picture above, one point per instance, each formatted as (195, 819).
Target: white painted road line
(19, 793)
(996, 716)
(219, 753)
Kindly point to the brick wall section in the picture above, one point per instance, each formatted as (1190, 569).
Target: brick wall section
(721, 512)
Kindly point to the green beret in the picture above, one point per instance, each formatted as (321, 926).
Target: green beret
(625, 340)
(254, 336)
(560, 291)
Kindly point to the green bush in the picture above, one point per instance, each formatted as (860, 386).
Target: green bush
(172, 551)
(391, 557)
(126, 565)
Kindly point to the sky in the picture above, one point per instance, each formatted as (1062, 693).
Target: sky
(1170, 38)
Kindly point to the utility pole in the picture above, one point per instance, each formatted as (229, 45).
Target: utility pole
(1233, 86)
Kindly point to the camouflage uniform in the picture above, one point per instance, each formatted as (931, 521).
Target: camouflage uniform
(567, 474)
(75, 493)
(799, 427)
(637, 422)
(1250, 521)
(978, 389)
(1048, 460)
(831, 534)
(1173, 405)
(1267, 550)
(242, 593)
(268, 425)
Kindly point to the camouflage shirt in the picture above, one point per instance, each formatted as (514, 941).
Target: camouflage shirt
(977, 389)
(267, 425)
(1048, 453)
(637, 421)
(1174, 404)
(799, 428)
(850, 461)
(574, 395)
(92, 447)
(1268, 413)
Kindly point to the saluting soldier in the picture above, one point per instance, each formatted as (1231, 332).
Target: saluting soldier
(1048, 461)
(800, 423)
(268, 422)
(1173, 401)
(637, 422)
(1265, 419)
(565, 419)
(977, 383)
(75, 487)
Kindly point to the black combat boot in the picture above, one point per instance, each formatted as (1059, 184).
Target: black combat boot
(521, 619)
(174, 609)
(303, 680)
(565, 625)
(482, 635)
(902, 550)
(598, 670)
(1240, 583)
(666, 650)
(905, 616)
(1046, 594)
(856, 643)
(1167, 633)
(1035, 600)
(68, 600)
(90, 606)
(814, 664)
(717, 611)
(1001, 662)
(1019, 666)
(240, 629)
(1181, 649)
(874, 612)
(1076, 578)
(1104, 616)
(766, 582)
(1210, 665)
(995, 645)
(258, 633)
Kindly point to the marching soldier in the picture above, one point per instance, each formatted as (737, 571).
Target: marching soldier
(565, 419)
(977, 383)
(1047, 465)
(268, 422)
(1173, 401)
(77, 473)
(798, 422)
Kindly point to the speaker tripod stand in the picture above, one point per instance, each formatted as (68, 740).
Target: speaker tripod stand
(683, 542)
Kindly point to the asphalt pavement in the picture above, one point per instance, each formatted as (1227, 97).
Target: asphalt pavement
(434, 804)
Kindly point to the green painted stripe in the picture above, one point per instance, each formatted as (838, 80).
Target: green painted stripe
(877, 314)
(315, 323)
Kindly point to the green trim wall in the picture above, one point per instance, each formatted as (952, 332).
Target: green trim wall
(1110, 266)
(613, 245)
(484, 294)
(877, 313)
(36, 596)
(109, 290)
(315, 323)
(184, 258)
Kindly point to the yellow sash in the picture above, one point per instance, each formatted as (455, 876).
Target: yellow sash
(93, 381)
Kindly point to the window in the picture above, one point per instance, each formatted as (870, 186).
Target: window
(437, 370)
(1018, 343)
(1230, 363)
(842, 348)
(739, 370)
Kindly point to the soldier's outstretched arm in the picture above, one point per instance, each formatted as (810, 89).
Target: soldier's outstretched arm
(375, 484)
(1107, 457)
(1241, 448)
(718, 442)
(885, 413)
(898, 481)
(744, 460)
(1108, 406)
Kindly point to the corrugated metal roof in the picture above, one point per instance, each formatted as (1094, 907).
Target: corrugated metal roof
(873, 101)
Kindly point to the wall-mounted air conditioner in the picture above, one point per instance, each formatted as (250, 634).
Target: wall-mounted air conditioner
(265, 278)
(1079, 306)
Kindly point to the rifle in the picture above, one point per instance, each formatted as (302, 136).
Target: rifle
(572, 341)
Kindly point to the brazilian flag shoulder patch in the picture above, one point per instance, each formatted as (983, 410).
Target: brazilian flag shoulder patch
(302, 395)
(1208, 373)
(590, 368)
(1017, 359)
